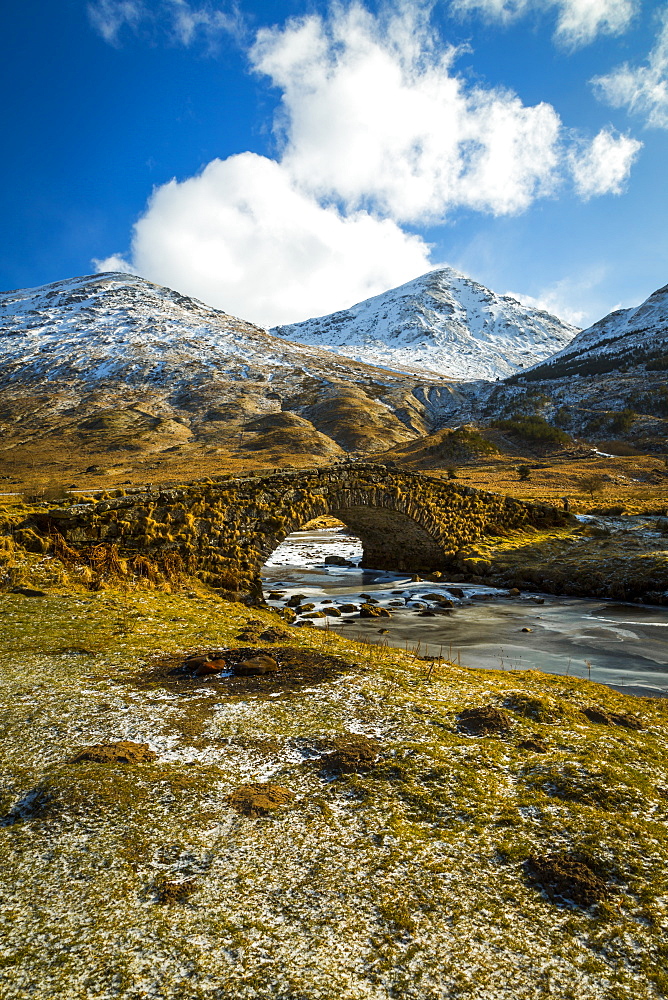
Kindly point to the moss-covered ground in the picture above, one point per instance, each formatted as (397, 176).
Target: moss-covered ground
(406, 880)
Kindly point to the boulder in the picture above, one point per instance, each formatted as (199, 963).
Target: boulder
(256, 666)
(210, 667)
(373, 611)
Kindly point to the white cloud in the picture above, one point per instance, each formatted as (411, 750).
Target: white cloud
(375, 131)
(575, 300)
(641, 89)
(108, 17)
(579, 22)
(242, 236)
(116, 262)
(603, 165)
(374, 115)
(182, 22)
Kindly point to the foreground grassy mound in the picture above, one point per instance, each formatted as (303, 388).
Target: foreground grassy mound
(355, 822)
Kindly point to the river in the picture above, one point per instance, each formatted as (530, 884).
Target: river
(622, 645)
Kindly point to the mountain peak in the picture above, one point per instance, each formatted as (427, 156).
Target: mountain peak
(442, 322)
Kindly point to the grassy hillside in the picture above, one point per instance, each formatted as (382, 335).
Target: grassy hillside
(340, 828)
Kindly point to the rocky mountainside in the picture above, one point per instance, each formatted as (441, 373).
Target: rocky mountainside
(609, 385)
(626, 338)
(442, 322)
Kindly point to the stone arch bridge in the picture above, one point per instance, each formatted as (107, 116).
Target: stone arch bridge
(223, 531)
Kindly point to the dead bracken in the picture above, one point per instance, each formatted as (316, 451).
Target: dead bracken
(259, 799)
(121, 752)
(350, 755)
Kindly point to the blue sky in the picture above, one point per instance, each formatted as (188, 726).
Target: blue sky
(284, 160)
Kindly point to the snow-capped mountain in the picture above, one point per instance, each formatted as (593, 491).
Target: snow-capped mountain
(626, 337)
(442, 322)
(112, 362)
(118, 328)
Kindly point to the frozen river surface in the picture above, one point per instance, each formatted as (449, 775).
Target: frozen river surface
(623, 645)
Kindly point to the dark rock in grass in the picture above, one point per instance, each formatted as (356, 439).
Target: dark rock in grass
(171, 890)
(566, 878)
(122, 752)
(483, 721)
(351, 755)
(603, 718)
(259, 799)
(533, 745)
(256, 665)
(373, 611)
(28, 591)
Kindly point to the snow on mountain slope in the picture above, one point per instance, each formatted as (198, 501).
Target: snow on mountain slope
(121, 329)
(626, 337)
(442, 322)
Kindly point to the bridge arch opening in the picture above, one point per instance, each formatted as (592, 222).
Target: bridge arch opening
(315, 540)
